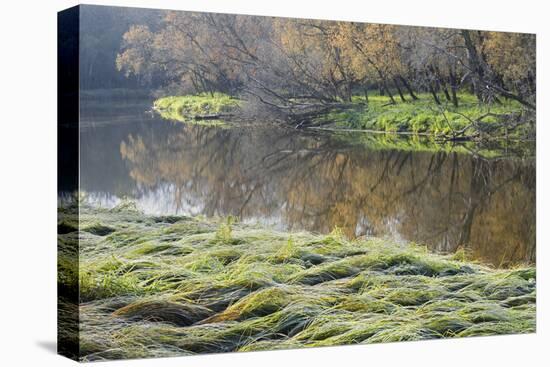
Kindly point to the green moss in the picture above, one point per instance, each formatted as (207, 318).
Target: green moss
(420, 116)
(190, 108)
(183, 286)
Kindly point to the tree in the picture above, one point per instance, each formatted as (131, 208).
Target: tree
(298, 69)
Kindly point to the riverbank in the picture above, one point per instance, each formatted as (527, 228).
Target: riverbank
(424, 117)
(154, 286)
(209, 108)
(420, 117)
(410, 126)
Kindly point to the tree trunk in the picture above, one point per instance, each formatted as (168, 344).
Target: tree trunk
(366, 92)
(385, 84)
(454, 98)
(431, 86)
(203, 85)
(434, 94)
(454, 87)
(477, 67)
(348, 93)
(475, 64)
(195, 85)
(408, 87)
(446, 92)
(441, 82)
(396, 83)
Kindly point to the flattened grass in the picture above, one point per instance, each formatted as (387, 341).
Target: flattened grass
(154, 287)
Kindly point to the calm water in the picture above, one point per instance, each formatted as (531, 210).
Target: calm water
(314, 181)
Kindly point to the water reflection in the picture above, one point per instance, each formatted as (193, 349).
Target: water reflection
(316, 182)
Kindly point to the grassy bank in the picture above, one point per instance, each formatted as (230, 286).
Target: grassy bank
(155, 286)
(420, 116)
(205, 108)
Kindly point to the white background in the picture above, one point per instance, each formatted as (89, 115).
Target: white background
(28, 182)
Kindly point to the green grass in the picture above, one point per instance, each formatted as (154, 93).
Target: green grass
(155, 286)
(421, 116)
(187, 108)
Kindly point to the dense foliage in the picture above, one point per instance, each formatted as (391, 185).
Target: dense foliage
(299, 67)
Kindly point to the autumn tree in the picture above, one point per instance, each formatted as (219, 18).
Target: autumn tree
(298, 68)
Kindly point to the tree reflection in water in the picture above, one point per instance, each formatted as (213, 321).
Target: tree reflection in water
(316, 182)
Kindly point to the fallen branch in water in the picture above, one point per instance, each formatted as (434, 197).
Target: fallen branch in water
(368, 131)
(211, 116)
(482, 130)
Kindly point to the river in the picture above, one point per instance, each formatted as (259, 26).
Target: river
(310, 180)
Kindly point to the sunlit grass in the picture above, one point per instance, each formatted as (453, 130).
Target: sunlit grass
(158, 286)
(187, 108)
(420, 116)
